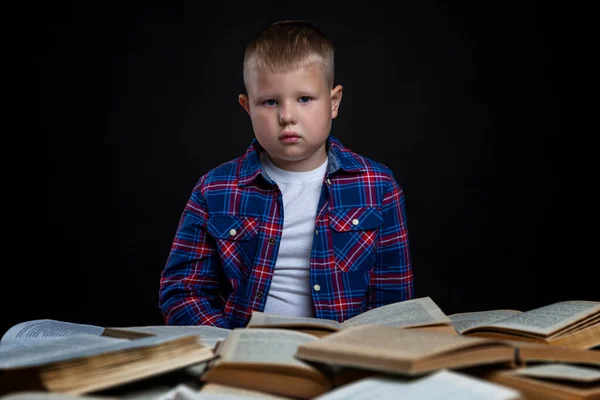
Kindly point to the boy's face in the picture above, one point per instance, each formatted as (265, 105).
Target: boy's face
(291, 114)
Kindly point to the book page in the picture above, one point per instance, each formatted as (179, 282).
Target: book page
(209, 335)
(421, 311)
(44, 329)
(260, 318)
(467, 320)
(441, 385)
(570, 372)
(67, 348)
(258, 345)
(548, 319)
(390, 342)
(218, 389)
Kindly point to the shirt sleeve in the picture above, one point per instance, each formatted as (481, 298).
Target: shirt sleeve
(191, 282)
(392, 278)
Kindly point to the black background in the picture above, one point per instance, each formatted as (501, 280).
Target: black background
(127, 105)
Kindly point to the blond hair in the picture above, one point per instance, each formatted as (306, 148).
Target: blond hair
(287, 45)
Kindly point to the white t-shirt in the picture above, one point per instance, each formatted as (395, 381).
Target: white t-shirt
(290, 292)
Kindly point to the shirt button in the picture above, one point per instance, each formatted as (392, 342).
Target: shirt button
(355, 222)
(316, 232)
(259, 295)
(232, 232)
(317, 288)
(272, 240)
(328, 181)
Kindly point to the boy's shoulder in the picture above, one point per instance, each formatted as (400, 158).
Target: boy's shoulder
(353, 160)
(230, 170)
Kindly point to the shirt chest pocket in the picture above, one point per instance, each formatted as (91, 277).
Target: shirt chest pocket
(354, 232)
(236, 238)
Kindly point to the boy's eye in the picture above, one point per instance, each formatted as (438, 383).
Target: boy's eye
(269, 102)
(304, 99)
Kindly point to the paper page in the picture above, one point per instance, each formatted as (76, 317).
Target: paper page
(218, 389)
(259, 318)
(441, 385)
(43, 329)
(421, 311)
(393, 342)
(209, 335)
(548, 319)
(258, 345)
(66, 348)
(570, 372)
(464, 321)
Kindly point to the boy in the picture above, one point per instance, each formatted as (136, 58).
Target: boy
(299, 225)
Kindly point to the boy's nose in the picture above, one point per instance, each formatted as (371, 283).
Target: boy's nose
(287, 116)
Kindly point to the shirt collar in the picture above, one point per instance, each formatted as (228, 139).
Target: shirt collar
(340, 159)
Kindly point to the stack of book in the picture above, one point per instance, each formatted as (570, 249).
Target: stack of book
(408, 350)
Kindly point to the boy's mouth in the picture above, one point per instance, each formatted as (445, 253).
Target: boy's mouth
(289, 137)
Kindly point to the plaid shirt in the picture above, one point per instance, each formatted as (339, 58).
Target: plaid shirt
(223, 255)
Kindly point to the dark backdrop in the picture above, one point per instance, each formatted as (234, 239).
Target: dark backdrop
(466, 104)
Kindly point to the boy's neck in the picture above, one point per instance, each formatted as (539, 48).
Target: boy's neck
(308, 164)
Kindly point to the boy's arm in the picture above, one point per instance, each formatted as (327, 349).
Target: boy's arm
(191, 282)
(392, 279)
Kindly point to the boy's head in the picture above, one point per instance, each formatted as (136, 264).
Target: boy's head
(288, 75)
(288, 45)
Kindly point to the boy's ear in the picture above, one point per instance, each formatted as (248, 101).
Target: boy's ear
(244, 102)
(336, 98)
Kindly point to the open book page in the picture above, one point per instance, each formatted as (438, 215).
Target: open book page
(467, 320)
(559, 371)
(221, 390)
(387, 341)
(421, 311)
(67, 348)
(441, 385)
(264, 346)
(404, 351)
(546, 320)
(42, 352)
(209, 335)
(274, 320)
(44, 329)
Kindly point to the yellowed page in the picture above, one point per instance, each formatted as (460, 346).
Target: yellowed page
(546, 320)
(274, 320)
(416, 312)
(264, 346)
(209, 335)
(468, 320)
(394, 342)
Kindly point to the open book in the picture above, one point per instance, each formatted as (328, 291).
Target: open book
(573, 324)
(401, 351)
(440, 385)
(549, 381)
(421, 313)
(263, 359)
(64, 357)
(209, 335)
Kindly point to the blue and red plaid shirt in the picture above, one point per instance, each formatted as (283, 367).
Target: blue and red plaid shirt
(223, 255)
